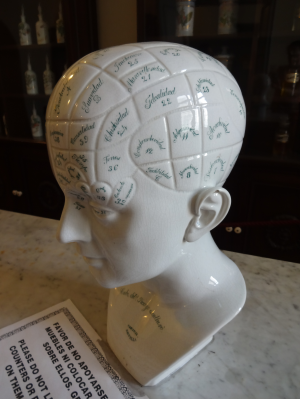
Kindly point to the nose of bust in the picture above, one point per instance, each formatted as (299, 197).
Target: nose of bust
(74, 225)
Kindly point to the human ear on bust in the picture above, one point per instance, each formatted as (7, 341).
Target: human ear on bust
(211, 206)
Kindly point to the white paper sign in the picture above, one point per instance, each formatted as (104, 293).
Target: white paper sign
(55, 355)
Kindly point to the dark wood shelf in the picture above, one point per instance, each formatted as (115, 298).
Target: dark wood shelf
(233, 36)
(204, 37)
(30, 140)
(24, 160)
(32, 46)
(217, 2)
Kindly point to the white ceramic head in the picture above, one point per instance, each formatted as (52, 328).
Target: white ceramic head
(141, 138)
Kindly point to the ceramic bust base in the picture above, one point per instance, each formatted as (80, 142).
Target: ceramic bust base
(155, 327)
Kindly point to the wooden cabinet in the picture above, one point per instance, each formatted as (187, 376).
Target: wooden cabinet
(265, 205)
(27, 184)
(265, 54)
(26, 180)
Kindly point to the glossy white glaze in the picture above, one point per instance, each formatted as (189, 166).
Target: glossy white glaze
(136, 134)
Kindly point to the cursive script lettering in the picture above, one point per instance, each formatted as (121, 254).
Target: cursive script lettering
(115, 124)
(212, 129)
(92, 96)
(137, 154)
(81, 131)
(151, 99)
(120, 63)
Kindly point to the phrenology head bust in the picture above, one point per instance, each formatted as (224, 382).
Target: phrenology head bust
(141, 138)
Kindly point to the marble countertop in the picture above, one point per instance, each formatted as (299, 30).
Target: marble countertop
(257, 355)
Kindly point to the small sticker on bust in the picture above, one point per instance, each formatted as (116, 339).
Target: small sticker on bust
(123, 192)
(101, 192)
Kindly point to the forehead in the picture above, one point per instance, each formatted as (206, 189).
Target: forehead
(169, 111)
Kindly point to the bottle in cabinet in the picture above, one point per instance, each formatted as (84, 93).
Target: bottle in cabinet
(227, 17)
(36, 124)
(281, 137)
(60, 30)
(24, 31)
(291, 81)
(185, 18)
(42, 34)
(48, 77)
(31, 80)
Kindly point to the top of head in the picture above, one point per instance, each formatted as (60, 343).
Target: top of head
(167, 110)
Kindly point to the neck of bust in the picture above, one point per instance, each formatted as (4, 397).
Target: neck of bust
(198, 270)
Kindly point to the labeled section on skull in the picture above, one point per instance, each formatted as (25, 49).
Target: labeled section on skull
(123, 65)
(214, 167)
(209, 63)
(119, 124)
(83, 188)
(58, 134)
(151, 143)
(205, 87)
(102, 58)
(176, 59)
(160, 172)
(63, 178)
(232, 97)
(218, 129)
(101, 192)
(188, 173)
(164, 97)
(185, 130)
(75, 174)
(145, 76)
(233, 158)
(114, 163)
(84, 161)
(83, 135)
(122, 194)
(60, 158)
(68, 89)
(99, 96)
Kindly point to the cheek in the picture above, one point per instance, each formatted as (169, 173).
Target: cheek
(141, 254)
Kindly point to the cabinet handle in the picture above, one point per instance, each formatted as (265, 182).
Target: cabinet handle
(228, 229)
(237, 230)
(17, 193)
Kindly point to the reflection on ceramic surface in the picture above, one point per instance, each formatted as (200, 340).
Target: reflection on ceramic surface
(141, 138)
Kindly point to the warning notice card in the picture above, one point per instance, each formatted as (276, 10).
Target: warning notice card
(56, 354)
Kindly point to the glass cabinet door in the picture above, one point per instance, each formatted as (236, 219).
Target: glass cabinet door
(259, 42)
(33, 58)
(39, 40)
